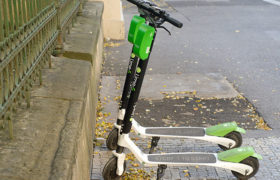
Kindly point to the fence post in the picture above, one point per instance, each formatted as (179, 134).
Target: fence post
(59, 46)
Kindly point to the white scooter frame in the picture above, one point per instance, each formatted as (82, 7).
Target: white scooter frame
(168, 158)
(142, 132)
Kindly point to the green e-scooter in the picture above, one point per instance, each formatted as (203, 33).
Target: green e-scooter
(242, 161)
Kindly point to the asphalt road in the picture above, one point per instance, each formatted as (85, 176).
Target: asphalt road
(239, 39)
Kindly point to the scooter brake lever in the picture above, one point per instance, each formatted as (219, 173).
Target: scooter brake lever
(165, 29)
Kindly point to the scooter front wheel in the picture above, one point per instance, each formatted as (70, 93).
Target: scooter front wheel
(109, 170)
(112, 139)
(251, 161)
(235, 136)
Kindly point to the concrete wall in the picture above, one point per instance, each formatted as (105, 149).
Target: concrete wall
(113, 20)
(54, 137)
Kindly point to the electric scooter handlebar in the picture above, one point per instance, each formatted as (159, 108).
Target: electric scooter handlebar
(174, 21)
(162, 14)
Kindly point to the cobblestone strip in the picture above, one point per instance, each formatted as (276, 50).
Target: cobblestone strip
(267, 147)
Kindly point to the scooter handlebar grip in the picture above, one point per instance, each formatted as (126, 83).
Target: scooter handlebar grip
(173, 21)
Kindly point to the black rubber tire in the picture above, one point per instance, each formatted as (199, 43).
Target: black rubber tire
(109, 170)
(112, 139)
(236, 136)
(251, 161)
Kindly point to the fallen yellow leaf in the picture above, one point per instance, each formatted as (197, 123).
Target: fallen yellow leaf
(135, 165)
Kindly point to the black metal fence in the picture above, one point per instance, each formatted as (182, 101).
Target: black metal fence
(30, 31)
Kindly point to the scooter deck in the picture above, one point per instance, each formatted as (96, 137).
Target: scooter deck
(182, 158)
(175, 131)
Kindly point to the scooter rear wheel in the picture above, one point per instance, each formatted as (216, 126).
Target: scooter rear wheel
(251, 161)
(235, 136)
(109, 170)
(112, 139)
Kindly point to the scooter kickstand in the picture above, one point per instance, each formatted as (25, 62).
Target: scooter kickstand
(161, 170)
(154, 144)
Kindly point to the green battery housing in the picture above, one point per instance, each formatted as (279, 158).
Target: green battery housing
(134, 26)
(143, 42)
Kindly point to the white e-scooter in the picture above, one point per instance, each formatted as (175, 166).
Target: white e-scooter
(242, 161)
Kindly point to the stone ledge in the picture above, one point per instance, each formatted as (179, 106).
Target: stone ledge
(81, 43)
(66, 80)
(46, 133)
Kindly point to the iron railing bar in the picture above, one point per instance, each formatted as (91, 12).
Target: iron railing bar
(20, 13)
(6, 21)
(1, 89)
(24, 12)
(1, 22)
(16, 15)
(11, 19)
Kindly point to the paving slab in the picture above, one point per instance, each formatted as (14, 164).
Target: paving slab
(212, 85)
